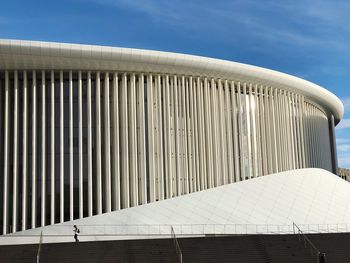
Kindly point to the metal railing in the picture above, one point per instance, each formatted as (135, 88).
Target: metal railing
(181, 229)
(39, 248)
(314, 251)
(176, 245)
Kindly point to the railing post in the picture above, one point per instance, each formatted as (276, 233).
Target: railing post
(39, 248)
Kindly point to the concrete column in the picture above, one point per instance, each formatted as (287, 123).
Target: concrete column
(43, 149)
(15, 155)
(116, 143)
(235, 134)
(133, 143)
(34, 155)
(80, 143)
(124, 143)
(189, 136)
(215, 142)
(203, 133)
(208, 132)
(71, 153)
(52, 161)
(196, 133)
(228, 120)
(98, 142)
(142, 141)
(61, 147)
(223, 132)
(89, 143)
(184, 136)
(24, 152)
(168, 146)
(6, 155)
(150, 137)
(107, 143)
(160, 138)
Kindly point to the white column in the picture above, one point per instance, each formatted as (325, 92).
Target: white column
(115, 140)
(176, 136)
(6, 153)
(222, 128)
(15, 155)
(252, 137)
(89, 143)
(24, 152)
(240, 132)
(208, 133)
(302, 130)
(133, 143)
(80, 142)
(297, 117)
(168, 163)
(150, 137)
(246, 109)
(160, 139)
(194, 89)
(184, 137)
(34, 157)
(258, 130)
(107, 143)
(278, 129)
(53, 192)
(172, 133)
(262, 131)
(273, 129)
(142, 141)
(71, 153)
(189, 137)
(235, 132)
(215, 122)
(228, 120)
(61, 147)
(203, 133)
(43, 149)
(284, 131)
(124, 144)
(98, 143)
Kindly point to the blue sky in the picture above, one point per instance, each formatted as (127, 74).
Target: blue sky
(306, 38)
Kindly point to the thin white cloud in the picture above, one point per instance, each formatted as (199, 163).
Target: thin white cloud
(343, 147)
(344, 124)
(309, 23)
(344, 161)
(343, 140)
(346, 103)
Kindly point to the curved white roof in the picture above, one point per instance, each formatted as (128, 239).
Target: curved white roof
(315, 199)
(19, 54)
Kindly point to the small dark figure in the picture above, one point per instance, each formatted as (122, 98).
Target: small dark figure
(76, 232)
(322, 257)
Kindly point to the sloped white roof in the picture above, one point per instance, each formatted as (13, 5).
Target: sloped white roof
(315, 199)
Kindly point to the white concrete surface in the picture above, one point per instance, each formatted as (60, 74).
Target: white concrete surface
(315, 199)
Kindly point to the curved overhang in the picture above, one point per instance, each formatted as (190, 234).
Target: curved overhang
(19, 54)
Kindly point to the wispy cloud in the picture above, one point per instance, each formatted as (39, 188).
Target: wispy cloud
(343, 147)
(346, 103)
(303, 23)
(344, 124)
(344, 161)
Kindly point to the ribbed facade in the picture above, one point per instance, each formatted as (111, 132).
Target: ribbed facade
(78, 143)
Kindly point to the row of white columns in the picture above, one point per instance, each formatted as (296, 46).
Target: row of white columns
(151, 137)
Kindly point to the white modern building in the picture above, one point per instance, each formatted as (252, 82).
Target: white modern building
(88, 130)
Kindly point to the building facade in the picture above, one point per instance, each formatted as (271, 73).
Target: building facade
(86, 130)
